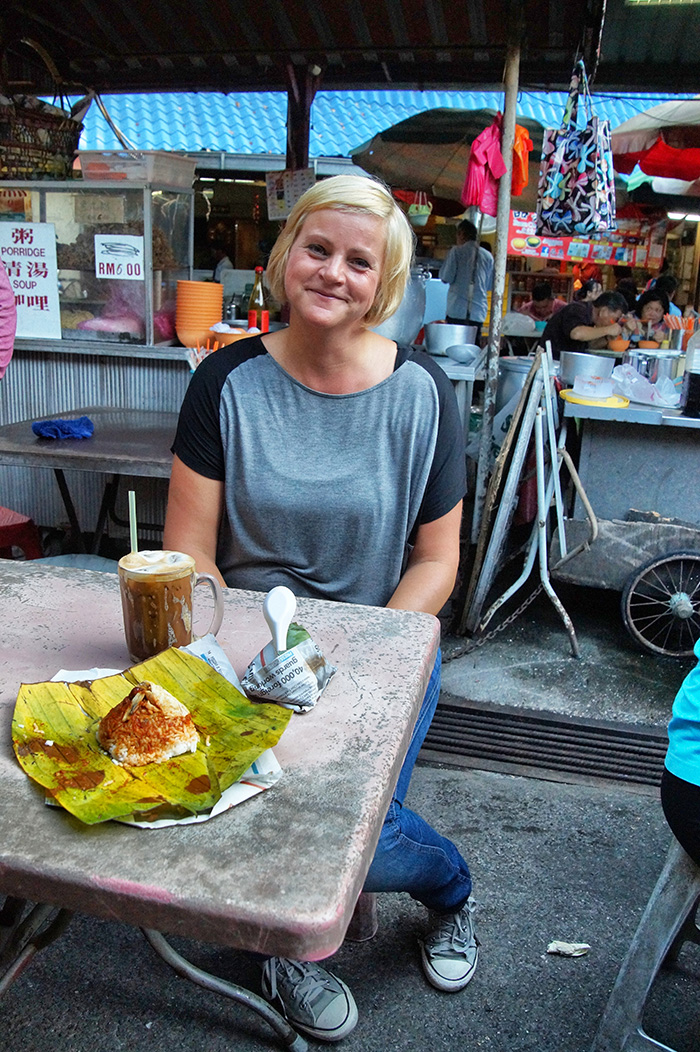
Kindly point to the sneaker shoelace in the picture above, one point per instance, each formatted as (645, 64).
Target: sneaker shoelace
(308, 987)
(454, 935)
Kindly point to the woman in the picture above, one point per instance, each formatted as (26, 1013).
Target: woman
(647, 321)
(324, 457)
(680, 783)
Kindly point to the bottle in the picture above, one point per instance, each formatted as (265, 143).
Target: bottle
(258, 312)
(690, 393)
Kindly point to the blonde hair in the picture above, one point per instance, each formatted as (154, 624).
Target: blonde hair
(352, 193)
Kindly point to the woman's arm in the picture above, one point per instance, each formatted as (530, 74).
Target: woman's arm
(432, 566)
(195, 506)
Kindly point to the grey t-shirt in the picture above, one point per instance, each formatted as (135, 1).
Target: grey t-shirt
(322, 491)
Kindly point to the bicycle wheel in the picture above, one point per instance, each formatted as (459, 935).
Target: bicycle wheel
(661, 604)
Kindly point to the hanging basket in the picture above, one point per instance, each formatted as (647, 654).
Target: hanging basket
(419, 210)
(36, 143)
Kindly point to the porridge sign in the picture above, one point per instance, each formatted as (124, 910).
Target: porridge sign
(28, 251)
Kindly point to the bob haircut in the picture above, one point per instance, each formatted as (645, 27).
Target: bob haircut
(361, 196)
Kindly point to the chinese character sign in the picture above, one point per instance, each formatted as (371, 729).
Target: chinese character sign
(28, 251)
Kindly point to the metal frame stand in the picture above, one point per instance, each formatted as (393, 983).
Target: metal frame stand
(540, 404)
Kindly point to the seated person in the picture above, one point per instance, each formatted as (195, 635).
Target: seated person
(543, 303)
(680, 782)
(647, 321)
(589, 291)
(628, 288)
(668, 284)
(581, 326)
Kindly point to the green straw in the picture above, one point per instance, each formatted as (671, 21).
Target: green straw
(132, 521)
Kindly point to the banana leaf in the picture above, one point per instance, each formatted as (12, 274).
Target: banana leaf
(54, 737)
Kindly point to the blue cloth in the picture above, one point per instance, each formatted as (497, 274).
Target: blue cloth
(83, 427)
(683, 756)
(410, 855)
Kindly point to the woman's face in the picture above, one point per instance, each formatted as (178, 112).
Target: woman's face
(652, 311)
(334, 267)
(594, 293)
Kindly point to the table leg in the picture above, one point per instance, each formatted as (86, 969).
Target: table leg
(21, 937)
(289, 1036)
(109, 499)
(364, 921)
(70, 510)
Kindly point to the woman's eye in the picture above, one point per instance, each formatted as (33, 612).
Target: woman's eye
(363, 264)
(318, 250)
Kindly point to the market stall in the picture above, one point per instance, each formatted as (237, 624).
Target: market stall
(95, 264)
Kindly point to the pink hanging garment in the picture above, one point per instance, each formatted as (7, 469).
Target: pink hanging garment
(485, 168)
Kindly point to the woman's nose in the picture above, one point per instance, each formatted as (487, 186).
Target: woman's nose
(332, 267)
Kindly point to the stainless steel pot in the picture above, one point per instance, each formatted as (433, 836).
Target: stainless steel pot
(405, 323)
(653, 365)
(440, 335)
(580, 363)
(512, 373)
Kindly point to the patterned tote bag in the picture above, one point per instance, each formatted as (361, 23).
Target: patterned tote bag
(576, 191)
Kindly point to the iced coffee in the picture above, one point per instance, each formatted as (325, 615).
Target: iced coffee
(156, 592)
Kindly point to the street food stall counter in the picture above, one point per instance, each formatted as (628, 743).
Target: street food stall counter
(638, 466)
(94, 266)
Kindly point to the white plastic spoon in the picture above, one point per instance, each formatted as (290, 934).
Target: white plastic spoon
(279, 607)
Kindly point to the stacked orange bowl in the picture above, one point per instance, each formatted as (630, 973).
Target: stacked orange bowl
(199, 306)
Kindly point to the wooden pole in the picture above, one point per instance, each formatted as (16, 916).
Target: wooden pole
(511, 77)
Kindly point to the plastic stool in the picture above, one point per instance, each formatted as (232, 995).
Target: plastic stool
(667, 922)
(18, 531)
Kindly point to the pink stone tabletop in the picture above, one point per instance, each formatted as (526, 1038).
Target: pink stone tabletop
(281, 872)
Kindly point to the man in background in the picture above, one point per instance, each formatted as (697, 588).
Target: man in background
(543, 303)
(581, 326)
(468, 270)
(221, 259)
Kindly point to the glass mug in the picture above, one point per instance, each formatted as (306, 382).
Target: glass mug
(156, 591)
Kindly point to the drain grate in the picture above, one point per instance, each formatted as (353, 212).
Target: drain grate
(543, 744)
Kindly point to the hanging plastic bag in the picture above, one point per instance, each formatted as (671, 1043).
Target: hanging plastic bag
(576, 192)
(419, 210)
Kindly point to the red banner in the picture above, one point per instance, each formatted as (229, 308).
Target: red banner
(636, 243)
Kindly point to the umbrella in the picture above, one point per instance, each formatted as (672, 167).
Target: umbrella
(430, 151)
(664, 141)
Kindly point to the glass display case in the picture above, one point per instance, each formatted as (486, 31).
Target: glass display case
(120, 251)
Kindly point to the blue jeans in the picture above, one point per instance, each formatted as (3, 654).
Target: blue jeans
(410, 855)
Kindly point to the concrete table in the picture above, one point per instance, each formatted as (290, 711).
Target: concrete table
(125, 442)
(279, 874)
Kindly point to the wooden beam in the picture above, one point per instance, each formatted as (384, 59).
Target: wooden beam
(302, 86)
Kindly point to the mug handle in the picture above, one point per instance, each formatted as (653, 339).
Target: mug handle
(217, 592)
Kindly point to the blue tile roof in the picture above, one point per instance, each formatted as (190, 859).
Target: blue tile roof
(255, 122)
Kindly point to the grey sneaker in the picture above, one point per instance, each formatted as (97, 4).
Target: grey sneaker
(450, 952)
(310, 998)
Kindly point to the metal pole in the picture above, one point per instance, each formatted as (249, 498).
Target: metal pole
(511, 75)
